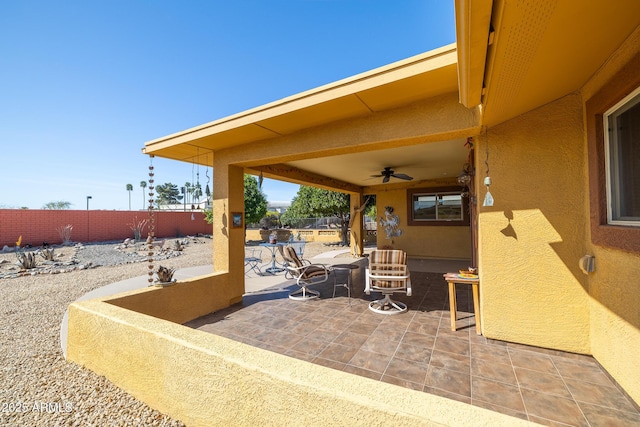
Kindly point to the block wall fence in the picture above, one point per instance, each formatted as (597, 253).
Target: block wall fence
(37, 226)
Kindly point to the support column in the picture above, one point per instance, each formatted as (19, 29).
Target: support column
(228, 241)
(356, 232)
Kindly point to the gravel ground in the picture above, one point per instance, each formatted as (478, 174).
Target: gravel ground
(38, 387)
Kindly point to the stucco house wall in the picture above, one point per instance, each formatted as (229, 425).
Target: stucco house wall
(614, 287)
(447, 242)
(530, 241)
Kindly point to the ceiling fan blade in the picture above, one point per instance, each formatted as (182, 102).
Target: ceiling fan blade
(376, 176)
(385, 179)
(402, 176)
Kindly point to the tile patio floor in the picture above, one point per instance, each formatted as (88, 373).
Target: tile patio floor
(418, 350)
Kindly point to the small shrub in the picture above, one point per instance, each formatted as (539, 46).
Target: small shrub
(27, 260)
(47, 254)
(138, 227)
(65, 233)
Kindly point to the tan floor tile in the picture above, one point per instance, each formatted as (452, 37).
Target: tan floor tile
(351, 339)
(600, 416)
(570, 368)
(493, 353)
(309, 345)
(599, 394)
(452, 361)
(493, 371)
(544, 383)
(453, 345)
(338, 352)
(451, 381)
(419, 340)
(497, 393)
(380, 344)
(418, 354)
(553, 408)
(534, 361)
(371, 361)
(408, 371)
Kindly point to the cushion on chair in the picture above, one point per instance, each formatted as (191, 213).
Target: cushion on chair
(388, 262)
(388, 256)
(291, 256)
(313, 271)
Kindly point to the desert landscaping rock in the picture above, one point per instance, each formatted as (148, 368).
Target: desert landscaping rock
(38, 387)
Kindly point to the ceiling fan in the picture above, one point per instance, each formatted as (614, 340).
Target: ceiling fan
(387, 173)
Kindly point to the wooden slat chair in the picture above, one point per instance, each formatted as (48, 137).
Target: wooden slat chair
(387, 273)
(304, 274)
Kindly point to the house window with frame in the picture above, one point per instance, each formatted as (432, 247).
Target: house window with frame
(613, 97)
(431, 206)
(622, 158)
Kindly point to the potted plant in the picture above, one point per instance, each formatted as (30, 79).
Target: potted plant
(165, 276)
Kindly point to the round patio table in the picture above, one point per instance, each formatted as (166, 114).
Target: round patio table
(273, 247)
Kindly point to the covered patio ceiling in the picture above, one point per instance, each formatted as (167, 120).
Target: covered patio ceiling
(394, 86)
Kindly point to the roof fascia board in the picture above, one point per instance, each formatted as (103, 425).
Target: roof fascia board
(396, 71)
(473, 21)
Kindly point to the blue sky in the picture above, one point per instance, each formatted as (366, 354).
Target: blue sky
(84, 84)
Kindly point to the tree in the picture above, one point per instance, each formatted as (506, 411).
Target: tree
(197, 192)
(143, 185)
(168, 194)
(187, 191)
(129, 189)
(314, 202)
(255, 202)
(59, 205)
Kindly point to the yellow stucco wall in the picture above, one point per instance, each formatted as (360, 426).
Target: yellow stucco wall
(530, 241)
(184, 301)
(422, 241)
(615, 284)
(204, 380)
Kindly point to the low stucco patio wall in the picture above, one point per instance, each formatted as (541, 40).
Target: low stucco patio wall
(324, 236)
(203, 379)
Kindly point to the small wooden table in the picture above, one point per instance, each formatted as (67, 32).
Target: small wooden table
(453, 279)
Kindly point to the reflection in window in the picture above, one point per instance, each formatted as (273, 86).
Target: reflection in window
(437, 207)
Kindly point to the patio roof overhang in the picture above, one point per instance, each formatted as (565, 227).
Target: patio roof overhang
(517, 56)
(510, 58)
(422, 76)
(382, 93)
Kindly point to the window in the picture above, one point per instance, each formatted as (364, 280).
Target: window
(622, 157)
(433, 206)
(614, 224)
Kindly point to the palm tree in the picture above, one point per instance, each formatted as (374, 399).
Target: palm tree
(129, 189)
(143, 185)
(187, 191)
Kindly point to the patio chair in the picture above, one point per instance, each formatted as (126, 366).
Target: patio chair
(253, 259)
(304, 274)
(387, 273)
(299, 245)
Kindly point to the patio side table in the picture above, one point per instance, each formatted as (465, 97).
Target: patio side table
(453, 279)
(343, 269)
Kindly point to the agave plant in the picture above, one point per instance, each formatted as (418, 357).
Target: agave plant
(164, 274)
(27, 260)
(47, 254)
